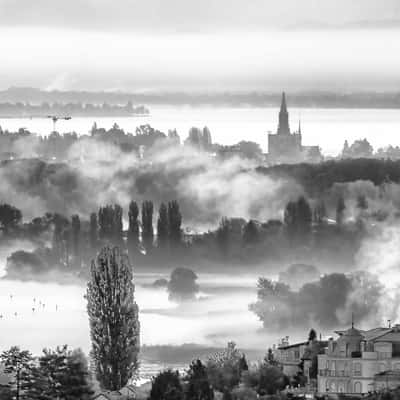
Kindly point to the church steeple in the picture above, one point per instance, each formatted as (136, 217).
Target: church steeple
(283, 127)
(283, 103)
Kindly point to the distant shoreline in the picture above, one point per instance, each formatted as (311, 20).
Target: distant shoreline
(299, 99)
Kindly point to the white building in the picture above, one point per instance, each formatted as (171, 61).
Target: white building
(360, 361)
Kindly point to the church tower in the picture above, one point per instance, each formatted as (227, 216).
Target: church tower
(283, 127)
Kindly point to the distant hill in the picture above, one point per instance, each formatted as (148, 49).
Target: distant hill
(314, 99)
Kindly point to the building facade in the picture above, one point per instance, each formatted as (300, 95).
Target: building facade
(290, 356)
(359, 362)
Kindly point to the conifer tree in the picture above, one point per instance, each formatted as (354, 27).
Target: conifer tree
(17, 363)
(113, 317)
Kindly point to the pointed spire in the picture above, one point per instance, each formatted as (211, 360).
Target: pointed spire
(283, 126)
(283, 102)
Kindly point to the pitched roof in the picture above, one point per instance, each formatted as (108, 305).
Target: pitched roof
(371, 334)
(391, 336)
(289, 346)
(108, 395)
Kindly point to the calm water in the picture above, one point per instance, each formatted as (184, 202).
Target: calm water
(326, 127)
(221, 314)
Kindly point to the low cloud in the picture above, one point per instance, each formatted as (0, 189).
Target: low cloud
(99, 173)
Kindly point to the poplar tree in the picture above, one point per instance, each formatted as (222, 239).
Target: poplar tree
(162, 227)
(147, 224)
(175, 222)
(113, 318)
(76, 237)
(118, 227)
(133, 228)
(340, 208)
(93, 232)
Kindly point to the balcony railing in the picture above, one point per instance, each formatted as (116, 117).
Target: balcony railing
(334, 373)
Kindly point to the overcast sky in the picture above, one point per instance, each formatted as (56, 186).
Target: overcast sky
(207, 44)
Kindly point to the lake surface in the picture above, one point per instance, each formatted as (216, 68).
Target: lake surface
(35, 315)
(328, 128)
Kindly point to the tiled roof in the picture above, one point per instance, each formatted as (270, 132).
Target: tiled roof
(391, 336)
(370, 334)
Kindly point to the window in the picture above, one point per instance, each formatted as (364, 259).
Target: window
(382, 367)
(357, 369)
(357, 387)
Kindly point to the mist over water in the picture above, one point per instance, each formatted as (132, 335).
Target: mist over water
(328, 128)
(215, 318)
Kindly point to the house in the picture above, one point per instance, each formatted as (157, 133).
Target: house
(290, 356)
(358, 362)
(299, 357)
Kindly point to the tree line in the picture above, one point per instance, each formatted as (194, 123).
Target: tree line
(56, 374)
(157, 238)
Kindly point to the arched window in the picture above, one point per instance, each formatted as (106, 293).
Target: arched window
(333, 387)
(357, 387)
(382, 367)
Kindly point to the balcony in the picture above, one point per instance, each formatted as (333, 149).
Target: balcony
(333, 373)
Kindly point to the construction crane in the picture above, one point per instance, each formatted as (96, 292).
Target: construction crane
(55, 118)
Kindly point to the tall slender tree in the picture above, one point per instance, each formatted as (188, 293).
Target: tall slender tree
(223, 235)
(133, 228)
(118, 227)
(113, 317)
(147, 225)
(298, 218)
(340, 208)
(163, 227)
(106, 223)
(175, 222)
(76, 238)
(93, 233)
